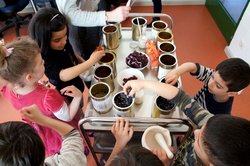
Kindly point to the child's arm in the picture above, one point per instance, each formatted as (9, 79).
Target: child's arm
(72, 146)
(173, 76)
(186, 104)
(72, 72)
(164, 90)
(122, 133)
(74, 92)
(33, 114)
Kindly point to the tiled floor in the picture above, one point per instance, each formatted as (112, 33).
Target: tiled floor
(197, 39)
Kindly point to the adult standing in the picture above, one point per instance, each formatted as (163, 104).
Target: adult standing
(85, 19)
(157, 5)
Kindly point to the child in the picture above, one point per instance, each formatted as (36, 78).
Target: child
(230, 77)
(21, 65)
(48, 28)
(21, 145)
(134, 155)
(220, 139)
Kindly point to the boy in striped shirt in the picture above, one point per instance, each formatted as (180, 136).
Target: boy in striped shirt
(229, 78)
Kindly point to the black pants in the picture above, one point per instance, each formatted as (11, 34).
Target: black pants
(84, 40)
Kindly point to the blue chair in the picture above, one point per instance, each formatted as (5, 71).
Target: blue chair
(8, 14)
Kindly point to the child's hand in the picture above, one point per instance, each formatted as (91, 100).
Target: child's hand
(71, 91)
(172, 77)
(33, 114)
(96, 56)
(122, 132)
(131, 87)
(161, 154)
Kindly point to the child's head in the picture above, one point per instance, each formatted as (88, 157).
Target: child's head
(135, 155)
(235, 73)
(20, 61)
(20, 145)
(48, 28)
(224, 140)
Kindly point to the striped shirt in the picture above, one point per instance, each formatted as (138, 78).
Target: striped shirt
(205, 98)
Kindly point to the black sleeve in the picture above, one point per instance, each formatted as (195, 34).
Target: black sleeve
(197, 70)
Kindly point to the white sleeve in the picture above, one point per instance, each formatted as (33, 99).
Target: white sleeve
(63, 114)
(78, 17)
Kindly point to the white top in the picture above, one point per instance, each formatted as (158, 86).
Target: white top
(82, 14)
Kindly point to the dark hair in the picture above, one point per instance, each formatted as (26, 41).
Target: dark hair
(227, 140)
(19, 61)
(20, 145)
(136, 155)
(235, 72)
(43, 23)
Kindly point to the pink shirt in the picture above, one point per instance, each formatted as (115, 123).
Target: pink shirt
(48, 101)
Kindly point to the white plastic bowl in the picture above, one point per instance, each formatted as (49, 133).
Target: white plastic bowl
(141, 67)
(127, 73)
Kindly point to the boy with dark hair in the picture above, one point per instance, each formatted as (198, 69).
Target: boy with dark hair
(229, 79)
(21, 145)
(219, 140)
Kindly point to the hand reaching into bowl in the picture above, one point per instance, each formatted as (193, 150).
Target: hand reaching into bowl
(132, 87)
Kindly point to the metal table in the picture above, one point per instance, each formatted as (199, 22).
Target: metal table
(101, 124)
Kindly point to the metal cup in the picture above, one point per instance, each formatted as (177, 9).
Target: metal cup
(110, 36)
(158, 26)
(109, 59)
(164, 36)
(177, 84)
(167, 62)
(166, 47)
(104, 73)
(137, 27)
(101, 97)
(127, 111)
(158, 111)
(119, 26)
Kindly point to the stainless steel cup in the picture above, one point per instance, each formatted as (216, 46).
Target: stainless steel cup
(164, 36)
(101, 97)
(138, 28)
(127, 111)
(166, 47)
(104, 73)
(158, 26)
(177, 84)
(109, 59)
(119, 26)
(167, 62)
(111, 36)
(158, 111)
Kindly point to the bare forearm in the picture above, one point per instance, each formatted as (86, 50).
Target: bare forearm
(165, 90)
(114, 152)
(60, 127)
(74, 106)
(73, 72)
(186, 67)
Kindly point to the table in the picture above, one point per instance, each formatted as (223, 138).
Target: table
(144, 109)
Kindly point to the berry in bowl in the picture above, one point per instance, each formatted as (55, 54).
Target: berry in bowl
(129, 74)
(137, 60)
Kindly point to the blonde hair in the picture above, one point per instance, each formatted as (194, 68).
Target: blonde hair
(19, 60)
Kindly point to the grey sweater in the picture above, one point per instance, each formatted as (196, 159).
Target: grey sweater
(71, 153)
